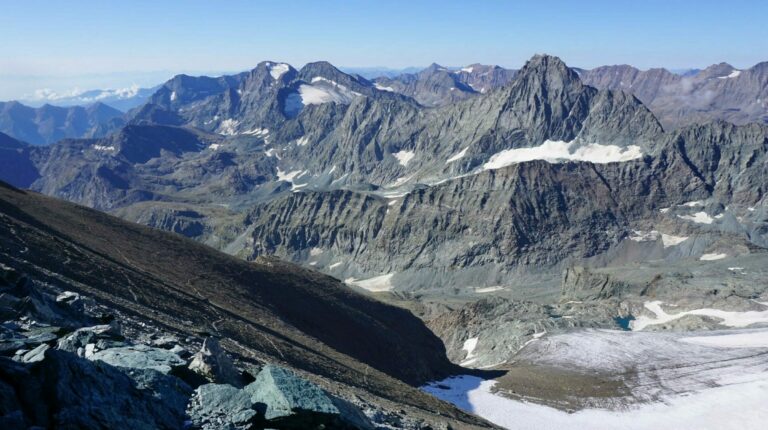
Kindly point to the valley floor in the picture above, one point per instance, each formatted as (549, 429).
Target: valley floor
(607, 379)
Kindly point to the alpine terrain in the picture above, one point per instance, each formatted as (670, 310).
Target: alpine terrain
(318, 247)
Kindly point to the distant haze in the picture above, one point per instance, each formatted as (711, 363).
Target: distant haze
(61, 46)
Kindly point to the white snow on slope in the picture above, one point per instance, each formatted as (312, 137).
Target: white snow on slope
(173, 96)
(288, 176)
(228, 127)
(732, 407)
(469, 346)
(489, 289)
(651, 236)
(458, 156)
(383, 88)
(375, 284)
(325, 91)
(712, 257)
(698, 217)
(557, 151)
(733, 74)
(670, 240)
(334, 265)
(467, 69)
(403, 157)
(277, 70)
(758, 339)
(727, 318)
(261, 132)
(103, 148)
(686, 385)
(302, 141)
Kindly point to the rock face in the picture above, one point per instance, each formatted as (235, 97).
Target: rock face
(719, 92)
(580, 284)
(49, 124)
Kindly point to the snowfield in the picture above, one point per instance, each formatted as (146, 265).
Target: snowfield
(458, 156)
(713, 380)
(735, 407)
(698, 217)
(277, 70)
(727, 318)
(558, 151)
(375, 284)
(404, 157)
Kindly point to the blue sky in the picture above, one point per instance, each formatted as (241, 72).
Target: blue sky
(88, 44)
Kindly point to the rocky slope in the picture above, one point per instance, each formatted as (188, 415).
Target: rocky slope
(719, 92)
(49, 124)
(266, 311)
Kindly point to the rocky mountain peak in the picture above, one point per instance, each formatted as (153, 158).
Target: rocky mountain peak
(549, 67)
(717, 70)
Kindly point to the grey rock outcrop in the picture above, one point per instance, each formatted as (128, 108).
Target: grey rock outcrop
(140, 357)
(214, 364)
(65, 391)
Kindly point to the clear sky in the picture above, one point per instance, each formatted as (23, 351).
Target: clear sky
(91, 44)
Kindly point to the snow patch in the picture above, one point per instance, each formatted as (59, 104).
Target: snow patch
(733, 74)
(334, 265)
(458, 156)
(712, 257)
(698, 217)
(103, 148)
(228, 127)
(383, 88)
(375, 284)
(404, 157)
(670, 240)
(737, 406)
(469, 346)
(302, 141)
(728, 318)
(289, 176)
(557, 151)
(315, 252)
(173, 96)
(489, 289)
(757, 339)
(261, 132)
(278, 70)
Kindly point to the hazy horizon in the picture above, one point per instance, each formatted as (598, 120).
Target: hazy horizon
(93, 45)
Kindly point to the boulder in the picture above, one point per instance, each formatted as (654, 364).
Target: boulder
(213, 363)
(140, 357)
(76, 341)
(221, 406)
(287, 401)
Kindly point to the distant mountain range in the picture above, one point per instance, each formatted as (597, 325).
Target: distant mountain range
(717, 92)
(123, 99)
(677, 98)
(48, 124)
(217, 159)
